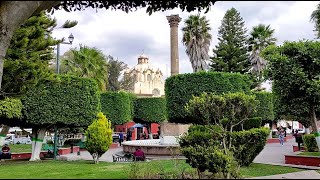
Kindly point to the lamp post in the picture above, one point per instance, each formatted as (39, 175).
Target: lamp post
(70, 38)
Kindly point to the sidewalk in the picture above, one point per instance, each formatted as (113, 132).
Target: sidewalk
(311, 174)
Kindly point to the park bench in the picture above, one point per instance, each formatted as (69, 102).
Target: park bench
(127, 157)
(49, 150)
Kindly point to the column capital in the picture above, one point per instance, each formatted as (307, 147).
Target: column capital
(174, 20)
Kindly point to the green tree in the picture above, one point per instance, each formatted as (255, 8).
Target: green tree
(315, 18)
(196, 39)
(231, 53)
(294, 69)
(260, 37)
(99, 137)
(115, 68)
(87, 62)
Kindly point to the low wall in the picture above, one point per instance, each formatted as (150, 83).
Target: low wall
(296, 148)
(151, 147)
(63, 151)
(302, 160)
(276, 140)
(26, 155)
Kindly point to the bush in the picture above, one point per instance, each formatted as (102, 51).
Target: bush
(151, 110)
(10, 108)
(254, 122)
(117, 107)
(180, 88)
(67, 100)
(246, 145)
(99, 137)
(310, 143)
(265, 109)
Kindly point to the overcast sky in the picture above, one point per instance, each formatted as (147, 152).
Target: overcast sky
(125, 36)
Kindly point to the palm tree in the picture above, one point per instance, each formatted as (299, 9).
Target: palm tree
(196, 38)
(87, 62)
(315, 17)
(260, 37)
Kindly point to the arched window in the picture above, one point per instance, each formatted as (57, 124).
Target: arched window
(148, 77)
(156, 92)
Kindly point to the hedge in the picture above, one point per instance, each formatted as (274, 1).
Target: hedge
(117, 107)
(265, 109)
(152, 110)
(310, 143)
(246, 145)
(66, 100)
(11, 111)
(251, 123)
(180, 88)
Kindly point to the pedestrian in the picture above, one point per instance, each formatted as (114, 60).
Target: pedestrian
(120, 138)
(281, 135)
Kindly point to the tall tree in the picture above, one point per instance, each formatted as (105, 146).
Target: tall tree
(15, 13)
(294, 69)
(231, 53)
(315, 18)
(260, 37)
(115, 68)
(196, 38)
(87, 62)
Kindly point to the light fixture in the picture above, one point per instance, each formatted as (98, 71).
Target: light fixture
(71, 38)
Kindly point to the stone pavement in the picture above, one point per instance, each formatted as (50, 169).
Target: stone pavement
(273, 153)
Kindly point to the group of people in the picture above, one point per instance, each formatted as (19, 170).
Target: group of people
(282, 133)
(5, 152)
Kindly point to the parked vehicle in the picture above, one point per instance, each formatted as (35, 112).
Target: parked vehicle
(12, 139)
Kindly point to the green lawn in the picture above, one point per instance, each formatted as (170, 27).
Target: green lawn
(49, 169)
(18, 148)
(309, 154)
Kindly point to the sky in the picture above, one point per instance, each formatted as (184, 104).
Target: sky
(127, 35)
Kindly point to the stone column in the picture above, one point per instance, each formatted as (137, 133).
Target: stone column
(174, 23)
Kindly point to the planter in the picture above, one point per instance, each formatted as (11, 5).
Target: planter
(26, 155)
(302, 160)
(63, 151)
(295, 148)
(276, 140)
(114, 145)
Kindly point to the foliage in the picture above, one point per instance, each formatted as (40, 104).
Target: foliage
(227, 110)
(27, 58)
(260, 37)
(11, 108)
(87, 62)
(196, 39)
(117, 107)
(254, 122)
(67, 100)
(99, 137)
(294, 69)
(246, 145)
(115, 67)
(310, 143)
(231, 53)
(179, 89)
(315, 18)
(151, 110)
(127, 6)
(265, 109)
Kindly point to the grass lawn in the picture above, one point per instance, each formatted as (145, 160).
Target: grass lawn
(18, 148)
(309, 154)
(49, 169)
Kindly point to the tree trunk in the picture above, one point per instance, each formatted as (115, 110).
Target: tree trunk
(308, 130)
(315, 127)
(3, 134)
(149, 131)
(12, 15)
(37, 140)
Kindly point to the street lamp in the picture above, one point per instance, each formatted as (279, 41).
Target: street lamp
(70, 38)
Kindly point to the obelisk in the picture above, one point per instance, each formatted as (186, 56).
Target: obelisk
(174, 23)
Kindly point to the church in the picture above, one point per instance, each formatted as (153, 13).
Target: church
(148, 79)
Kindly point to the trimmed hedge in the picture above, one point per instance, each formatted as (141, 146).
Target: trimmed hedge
(117, 107)
(246, 145)
(66, 100)
(180, 88)
(151, 110)
(265, 109)
(310, 143)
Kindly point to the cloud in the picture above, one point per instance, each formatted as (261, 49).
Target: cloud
(124, 36)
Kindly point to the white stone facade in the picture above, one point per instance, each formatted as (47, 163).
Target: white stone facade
(148, 80)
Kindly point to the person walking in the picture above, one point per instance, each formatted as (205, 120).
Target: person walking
(120, 138)
(281, 135)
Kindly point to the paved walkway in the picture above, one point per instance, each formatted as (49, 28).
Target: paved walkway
(273, 153)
